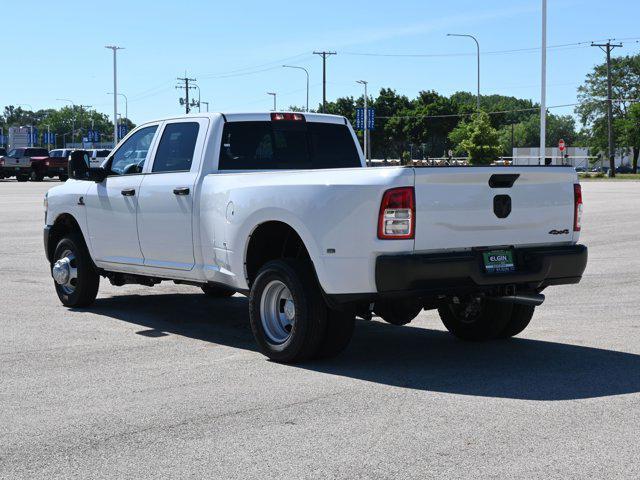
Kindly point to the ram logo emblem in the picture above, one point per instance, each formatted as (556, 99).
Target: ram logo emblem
(559, 232)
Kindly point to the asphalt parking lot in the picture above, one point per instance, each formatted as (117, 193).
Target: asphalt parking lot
(164, 382)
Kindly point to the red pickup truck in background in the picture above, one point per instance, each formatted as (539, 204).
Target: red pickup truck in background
(53, 165)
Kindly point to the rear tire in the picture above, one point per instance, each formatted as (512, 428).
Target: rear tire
(476, 319)
(520, 317)
(36, 177)
(81, 287)
(398, 312)
(63, 178)
(287, 313)
(215, 291)
(22, 178)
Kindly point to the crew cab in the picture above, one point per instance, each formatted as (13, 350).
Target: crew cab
(282, 208)
(17, 163)
(55, 164)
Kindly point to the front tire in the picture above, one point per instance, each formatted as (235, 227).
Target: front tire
(287, 312)
(75, 278)
(22, 178)
(63, 178)
(476, 319)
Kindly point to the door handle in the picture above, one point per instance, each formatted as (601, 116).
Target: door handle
(128, 192)
(181, 191)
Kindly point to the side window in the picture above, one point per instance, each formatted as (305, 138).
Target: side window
(176, 148)
(246, 145)
(129, 158)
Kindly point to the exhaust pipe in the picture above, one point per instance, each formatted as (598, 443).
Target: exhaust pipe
(533, 299)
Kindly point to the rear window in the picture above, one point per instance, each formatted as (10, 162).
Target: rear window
(286, 145)
(36, 152)
(102, 153)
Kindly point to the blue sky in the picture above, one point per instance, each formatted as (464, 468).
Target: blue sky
(235, 49)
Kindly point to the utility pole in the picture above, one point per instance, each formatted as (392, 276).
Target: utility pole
(543, 88)
(606, 48)
(115, 93)
(324, 56)
(186, 87)
(366, 122)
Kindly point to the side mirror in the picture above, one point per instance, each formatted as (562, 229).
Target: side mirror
(79, 168)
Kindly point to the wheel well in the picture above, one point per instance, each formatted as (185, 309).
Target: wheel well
(270, 241)
(63, 225)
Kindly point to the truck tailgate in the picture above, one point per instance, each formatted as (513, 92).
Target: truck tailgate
(457, 208)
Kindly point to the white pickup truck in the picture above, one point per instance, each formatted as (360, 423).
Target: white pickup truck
(281, 207)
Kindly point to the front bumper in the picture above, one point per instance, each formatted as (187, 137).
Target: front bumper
(7, 171)
(440, 273)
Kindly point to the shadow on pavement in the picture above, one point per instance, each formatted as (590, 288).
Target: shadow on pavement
(407, 357)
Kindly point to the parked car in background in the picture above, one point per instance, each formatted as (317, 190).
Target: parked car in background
(97, 156)
(624, 169)
(581, 169)
(17, 163)
(60, 152)
(49, 166)
(3, 151)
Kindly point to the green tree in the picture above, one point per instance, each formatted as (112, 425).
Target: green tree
(527, 133)
(592, 109)
(630, 132)
(481, 140)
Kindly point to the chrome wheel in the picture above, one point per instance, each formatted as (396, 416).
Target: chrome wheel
(277, 312)
(65, 272)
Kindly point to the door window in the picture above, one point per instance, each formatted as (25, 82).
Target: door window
(177, 147)
(129, 158)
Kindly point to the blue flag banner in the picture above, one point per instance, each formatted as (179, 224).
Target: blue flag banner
(371, 118)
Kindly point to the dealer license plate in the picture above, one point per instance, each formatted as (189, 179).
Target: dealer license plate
(498, 261)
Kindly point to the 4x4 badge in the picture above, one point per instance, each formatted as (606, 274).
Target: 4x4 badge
(559, 232)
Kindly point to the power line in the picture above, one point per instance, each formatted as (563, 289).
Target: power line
(493, 52)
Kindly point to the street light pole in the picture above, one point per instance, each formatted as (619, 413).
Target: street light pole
(478, 57)
(126, 103)
(273, 94)
(115, 48)
(198, 87)
(305, 71)
(73, 119)
(207, 104)
(366, 122)
(543, 87)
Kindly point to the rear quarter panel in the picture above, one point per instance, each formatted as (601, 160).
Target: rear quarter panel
(333, 209)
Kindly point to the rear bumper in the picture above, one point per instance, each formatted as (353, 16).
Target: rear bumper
(430, 275)
(536, 267)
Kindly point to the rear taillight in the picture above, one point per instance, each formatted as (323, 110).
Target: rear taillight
(296, 117)
(577, 207)
(397, 219)
(1, 161)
